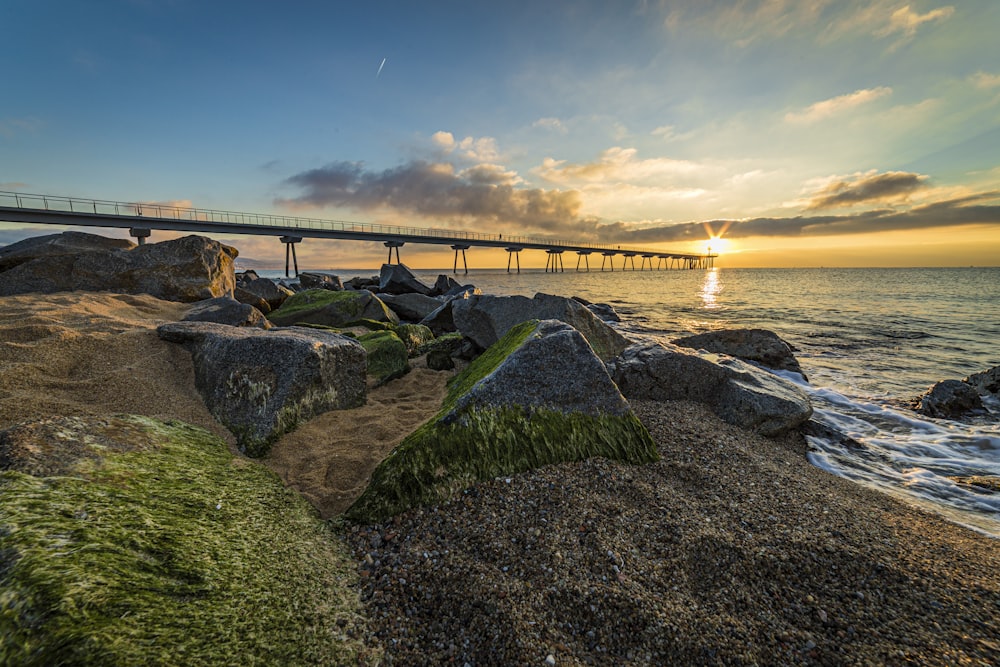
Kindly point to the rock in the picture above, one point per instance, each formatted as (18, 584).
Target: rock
(605, 312)
(462, 292)
(485, 319)
(441, 321)
(187, 269)
(949, 398)
(268, 290)
(262, 384)
(160, 519)
(310, 280)
(251, 299)
(359, 283)
(412, 306)
(756, 345)
(538, 396)
(440, 360)
(51, 245)
(443, 285)
(398, 279)
(388, 357)
(414, 336)
(226, 310)
(737, 392)
(987, 382)
(332, 309)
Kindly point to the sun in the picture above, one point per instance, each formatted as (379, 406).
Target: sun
(716, 245)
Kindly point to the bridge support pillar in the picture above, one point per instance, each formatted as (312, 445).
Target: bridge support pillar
(393, 245)
(290, 242)
(628, 256)
(646, 257)
(463, 248)
(604, 257)
(554, 262)
(585, 254)
(514, 252)
(140, 234)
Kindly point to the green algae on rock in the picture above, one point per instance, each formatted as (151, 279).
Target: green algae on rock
(125, 540)
(415, 336)
(388, 358)
(538, 396)
(335, 309)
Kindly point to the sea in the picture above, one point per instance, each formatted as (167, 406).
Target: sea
(869, 340)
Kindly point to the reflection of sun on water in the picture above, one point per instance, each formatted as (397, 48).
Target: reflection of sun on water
(710, 289)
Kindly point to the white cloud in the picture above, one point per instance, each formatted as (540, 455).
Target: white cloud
(906, 21)
(9, 127)
(614, 164)
(553, 124)
(666, 132)
(985, 81)
(747, 22)
(836, 105)
(483, 149)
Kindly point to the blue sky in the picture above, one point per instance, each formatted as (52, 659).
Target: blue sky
(815, 132)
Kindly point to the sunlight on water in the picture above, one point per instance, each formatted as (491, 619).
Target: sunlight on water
(710, 289)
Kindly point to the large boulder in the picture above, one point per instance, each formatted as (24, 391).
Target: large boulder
(226, 310)
(759, 346)
(538, 396)
(949, 398)
(415, 337)
(266, 289)
(310, 280)
(191, 268)
(261, 384)
(332, 308)
(129, 541)
(485, 319)
(412, 307)
(738, 392)
(986, 383)
(52, 245)
(398, 279)
(441, 321)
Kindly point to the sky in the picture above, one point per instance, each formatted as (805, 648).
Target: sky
(792, 132)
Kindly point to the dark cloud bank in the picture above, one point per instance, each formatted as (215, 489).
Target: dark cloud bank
(486, 199)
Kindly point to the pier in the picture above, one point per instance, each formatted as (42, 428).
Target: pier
(142, 218)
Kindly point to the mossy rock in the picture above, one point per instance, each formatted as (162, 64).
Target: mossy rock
(127, 541)
(448, 342)
(387, 355)
(371, 325)
(331, 308)
(415, 336)
(470, 441)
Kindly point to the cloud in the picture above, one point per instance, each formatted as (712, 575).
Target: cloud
(906, 21)
(747, 21)
(482, 194)
(985, 81)
(11, 127)
(836, 105)
(666, 132)
(614, 164)
(483, 149)
(553, 124)
(864, 188)
(977, 209)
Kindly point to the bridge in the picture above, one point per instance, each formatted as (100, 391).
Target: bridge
(141, 218)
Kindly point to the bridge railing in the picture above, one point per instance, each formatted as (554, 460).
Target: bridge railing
(162, 211)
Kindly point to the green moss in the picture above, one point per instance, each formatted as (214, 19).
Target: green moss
(179, 554)
(372, 325)
(414, 336)
(314, 299)
(387, 356)
(448, 342)
(437, 460)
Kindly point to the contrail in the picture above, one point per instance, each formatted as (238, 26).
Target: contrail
(380, 67)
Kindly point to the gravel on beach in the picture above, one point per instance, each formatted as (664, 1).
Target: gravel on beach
(730, 550)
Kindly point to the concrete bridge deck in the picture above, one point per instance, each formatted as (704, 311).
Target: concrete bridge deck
(141, 218)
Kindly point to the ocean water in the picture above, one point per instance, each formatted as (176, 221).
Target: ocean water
(869, 341)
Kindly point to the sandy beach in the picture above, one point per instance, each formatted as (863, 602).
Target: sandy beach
(730, 550)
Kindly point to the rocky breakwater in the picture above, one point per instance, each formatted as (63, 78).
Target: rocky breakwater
(969, 397)
(187, 269)
(537, 396)
(739, 393)
(261, 383)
